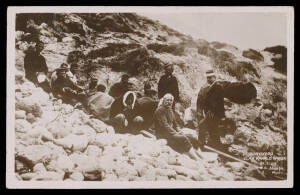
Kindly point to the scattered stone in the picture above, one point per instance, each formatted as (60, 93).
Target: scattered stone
(73, 142)
(210, 156)
(39, 167)
(93, 151)
(77, 176)
(30, 118)
(34, 154)
(235, 166)
(28, 176)
(98, 125)
(22, 126)
(48, 176)
(20, 114)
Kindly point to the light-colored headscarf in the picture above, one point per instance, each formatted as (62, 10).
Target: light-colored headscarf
(167, 95)
(125, 97)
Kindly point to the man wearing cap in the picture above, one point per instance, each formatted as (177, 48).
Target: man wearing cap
(35, 67)
(210, 109)
(168, 84)
(64, 86)
(120, 88)
(34, 63)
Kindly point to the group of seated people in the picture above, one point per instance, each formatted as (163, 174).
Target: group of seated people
(126, 109)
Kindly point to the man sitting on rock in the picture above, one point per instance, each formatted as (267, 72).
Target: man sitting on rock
(35, 67)
(119, 89)
(167, 128)
(65, 86)
(210, 109)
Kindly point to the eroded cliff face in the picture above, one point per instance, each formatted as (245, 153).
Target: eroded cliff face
(54, 141)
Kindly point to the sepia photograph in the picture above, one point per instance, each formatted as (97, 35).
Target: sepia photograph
(150, 97)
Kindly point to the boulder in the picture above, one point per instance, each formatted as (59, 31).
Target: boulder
(59, 129)
(21, 167)
(235, 166)
(22, 126)
(64, 163)
(182, 178)
(30, 118)
(30, 106)
(92, 150)
(85, 164)
(48, 176)
(34, 154)
(165, 172)
(97, 125)
(28, 176)
(184, 171)
(185, 161)
(77, 176)
(110, 177)
(39, 167)
(73, 142)
(20, 114)
(209, 156)
(102, 140)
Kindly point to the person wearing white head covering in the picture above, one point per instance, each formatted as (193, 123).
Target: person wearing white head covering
(167, 128)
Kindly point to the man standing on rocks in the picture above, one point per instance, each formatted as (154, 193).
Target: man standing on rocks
(167, 128)
(35, 66)
(168, 84)
(210, 108)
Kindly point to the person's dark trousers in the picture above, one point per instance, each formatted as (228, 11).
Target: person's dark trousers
(209, 126)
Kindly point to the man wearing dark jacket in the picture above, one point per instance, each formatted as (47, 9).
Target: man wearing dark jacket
(210, 109)
(35, 67)
(34, 63)
(167, 128)
(168, 84)
(119, 89)
(65, 87)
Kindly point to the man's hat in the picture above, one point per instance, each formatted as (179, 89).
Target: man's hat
(210, 73)
(63, 66)
(125, 76)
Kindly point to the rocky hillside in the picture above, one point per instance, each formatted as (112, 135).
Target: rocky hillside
(54, 141)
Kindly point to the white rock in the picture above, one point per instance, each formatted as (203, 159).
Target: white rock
(93, 151)
(22, 126)
(235, 166)
(85, 163)
(30, 118)
(35, 154)
(210, 156)
(64, 163)
(48, 176)
(110, 129)
(98, 125)
(74, 142)
(77, 176)
(39, 167)
(20, 114)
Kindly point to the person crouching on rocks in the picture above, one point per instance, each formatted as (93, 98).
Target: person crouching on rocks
(64, 86)
(167, 128)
